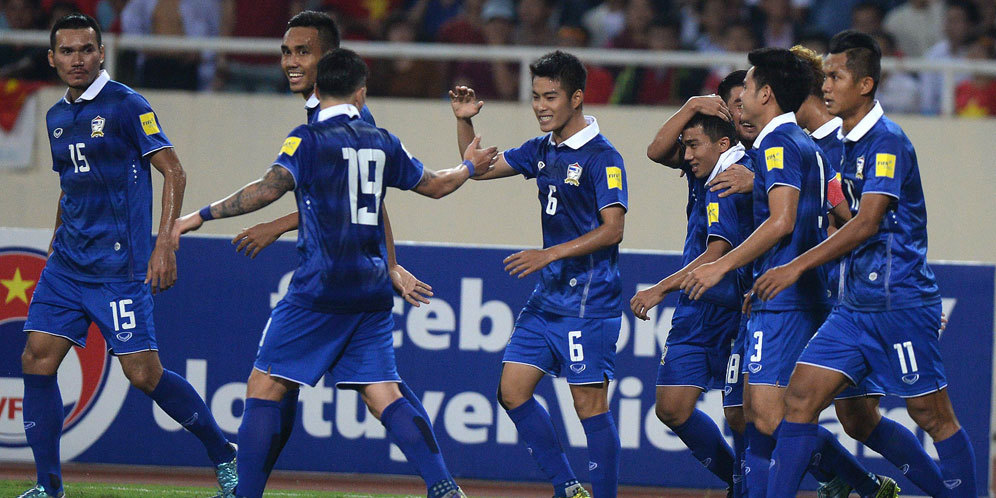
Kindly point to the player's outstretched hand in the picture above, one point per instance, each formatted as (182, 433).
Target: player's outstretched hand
(483, 159)
(701, 279)
(526, 262)
(410, 288)
(645, 300)
(736, 179)
(253, 239)
(464, 102)
(161, 272)
(711, 105)
(187, 223)
(775, 280)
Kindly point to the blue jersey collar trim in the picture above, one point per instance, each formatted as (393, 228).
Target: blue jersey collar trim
(91, 91)
(338, 110)
(577, 140)
(827, 128)
(312, 102)
(866, 123)
(788, 117)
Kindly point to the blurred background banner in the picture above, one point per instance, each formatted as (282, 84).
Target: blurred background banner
(18, 122)
(449, 351)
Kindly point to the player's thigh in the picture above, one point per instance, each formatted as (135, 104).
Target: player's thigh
(903, 350)
(123, 311)
(56, 321)
(379, 396)
(810, 390)
(775, 340)
(836, 347)
(300, 345)
(43, 353)
(585, 348)
(764, 405)
(368, 356)
(527, 357)
(934, 414)
(674, 404)
(858, 415)
(263, 386)
(517, 383)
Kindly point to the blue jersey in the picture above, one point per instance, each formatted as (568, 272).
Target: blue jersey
(100, 147)
(311, 106)
(789, 157)
(833, 150)
(342, 167)
(728, 218)
(889, 270)
(577, 179)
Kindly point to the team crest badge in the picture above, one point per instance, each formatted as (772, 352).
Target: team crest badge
(573, 174)
(57, 132)
(860, 167)
(97, 127)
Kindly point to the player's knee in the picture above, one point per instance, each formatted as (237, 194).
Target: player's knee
(800, 405)
(143, 377)
(36, 362)
(671, 415)
(736, 418)
(589, 406)
(935, 421)
(858, 422)
(510, 401)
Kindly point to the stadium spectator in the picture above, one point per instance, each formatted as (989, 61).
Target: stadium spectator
(598, 88)
(168, 69)
(867, 17)
(829, 16)
(635, 33)
(465, 27)
(898, 91)
(658, 85)
(534, 23)
(23, 62)
(257, 19)
(362, 20)
(976, 96)
(88, 7)
(430, 15)
(916, 25)
(773, 23)
(959, 22)
(491, 79)
(714, 15)
(109, 15)
(605, 21)
(404, 77)
(815, 41)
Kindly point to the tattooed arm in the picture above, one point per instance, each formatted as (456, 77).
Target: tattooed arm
(276, 182)
(437, 184)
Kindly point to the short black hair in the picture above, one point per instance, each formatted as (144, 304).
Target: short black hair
(731, 81)
(341, 72)
(75, 20)
(787, 76)
(562, 67)
(328, 32)
(864, 56)
(714, 127)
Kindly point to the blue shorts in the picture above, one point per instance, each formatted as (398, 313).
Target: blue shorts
(581, 349)
(301, 345)
(733, 390)
(698, 346)
(899, 350)
(65, 307)
(867, 387)
(774, 341)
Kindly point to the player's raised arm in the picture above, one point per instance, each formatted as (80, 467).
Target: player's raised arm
(437, 184)
(465, 106)
(161, 273)
(665, 148)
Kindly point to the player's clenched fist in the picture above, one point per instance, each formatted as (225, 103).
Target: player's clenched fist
(464, 102)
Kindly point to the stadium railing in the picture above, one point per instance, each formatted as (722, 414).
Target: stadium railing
(948, 68)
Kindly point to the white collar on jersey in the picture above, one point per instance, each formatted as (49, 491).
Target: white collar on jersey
(338, 110)
(92, 90)
(727, 159)
(312, 101)
(864, 125)
(788, 117)
(577, 140)
(827, 128)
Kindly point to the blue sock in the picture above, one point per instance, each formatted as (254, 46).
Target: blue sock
(603, 454)
(536, 429)
(181, 402)
(415, 401)
(288, 415)
(413, 434)
(957, 464)
(759, 448)
(791, 457)
(259, 435)
(843, 464)
(739, 447)
(899, 446)
(43, 416)
(701, 435)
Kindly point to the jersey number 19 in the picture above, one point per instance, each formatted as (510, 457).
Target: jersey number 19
(361, 182)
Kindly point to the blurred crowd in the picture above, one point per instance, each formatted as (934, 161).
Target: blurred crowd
(934, 29)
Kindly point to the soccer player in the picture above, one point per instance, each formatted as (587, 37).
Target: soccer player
(698, 347)
(790, 217)
(336, 316)
(857, 406)
(103, 267)
(571, 322)
(886, 326)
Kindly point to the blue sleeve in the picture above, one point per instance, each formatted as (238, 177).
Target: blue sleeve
(367, 116)
(782, 162)
(609, 177)
(403, 171)
(890, 166)
(521, 158)
(141, 125)
(293, 153)
(721, 217)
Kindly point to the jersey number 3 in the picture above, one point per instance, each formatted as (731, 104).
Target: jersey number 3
(366, 177)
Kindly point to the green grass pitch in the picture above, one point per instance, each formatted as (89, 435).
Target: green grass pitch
(110, 490)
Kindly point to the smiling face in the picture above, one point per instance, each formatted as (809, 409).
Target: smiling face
(701, 152)
(750, 99)
(745, 130)
(76, 57)
(551, 104)
(300, 53)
